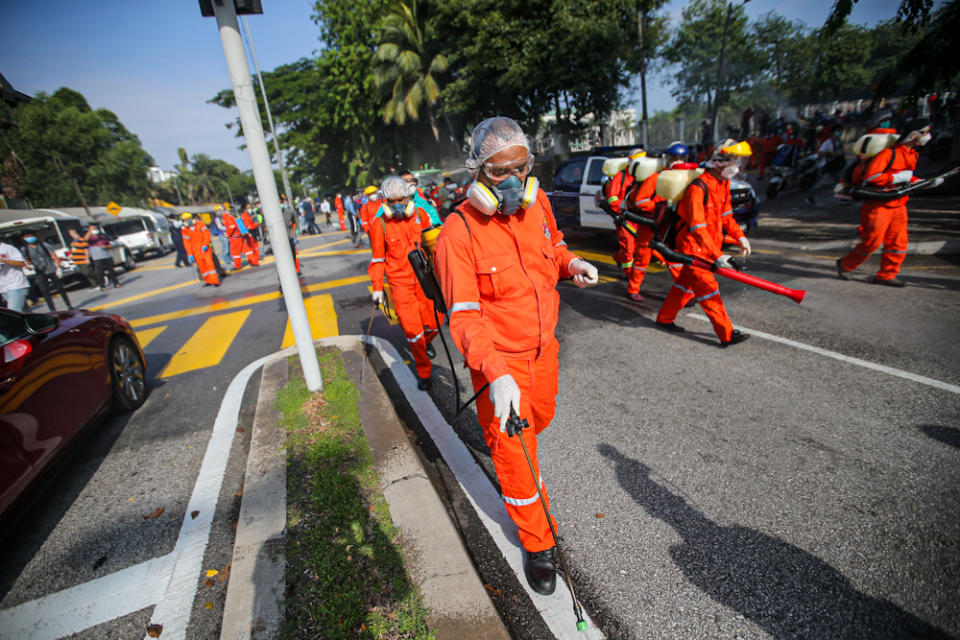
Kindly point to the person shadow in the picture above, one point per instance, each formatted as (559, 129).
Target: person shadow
(788, 592)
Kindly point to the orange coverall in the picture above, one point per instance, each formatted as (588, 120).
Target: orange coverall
(251, 237)
(241, 244)
(884, 223)
(338, 205)
(642, 199)
(616, 191)
(367, 211)
(391, 240)
(499, 276)
(196, 241)
(702, 235)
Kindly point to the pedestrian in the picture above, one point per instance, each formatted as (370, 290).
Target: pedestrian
(100, 255)
(706, 213)
(885, 222)
(14, 285)
(241, 241)
(499, 257)
(350, 209)
(45, 264)
(325, 210)
(338, 205)
(80, 256)
(196, 239)
(290, 222)
(176, 233)
(829, 156)
(219, 229)
(253, 228)
(309, 217)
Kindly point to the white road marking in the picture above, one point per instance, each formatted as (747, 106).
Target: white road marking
(930, 382)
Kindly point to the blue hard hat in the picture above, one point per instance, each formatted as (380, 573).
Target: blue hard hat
(677, 149)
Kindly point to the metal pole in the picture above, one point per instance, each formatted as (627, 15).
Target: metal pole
(266, 103)
(263, 175)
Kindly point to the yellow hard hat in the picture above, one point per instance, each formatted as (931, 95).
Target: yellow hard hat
(637, 153)
(739, 149)
(370, 190)
(186, 216)
(226, 206)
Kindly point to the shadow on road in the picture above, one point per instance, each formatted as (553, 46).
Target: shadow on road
(946, 435)
(788, 592)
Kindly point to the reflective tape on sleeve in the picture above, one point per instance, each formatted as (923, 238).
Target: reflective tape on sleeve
(697, 226)
(465, 306)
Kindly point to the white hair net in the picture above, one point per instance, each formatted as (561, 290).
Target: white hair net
(393, 187)
(492, 136)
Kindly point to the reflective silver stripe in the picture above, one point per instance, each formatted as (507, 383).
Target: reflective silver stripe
(873, 177)
(208, 273)
(644, 200)
(674, 264)
(681, 288)
(416, 337)
(639, 268)
(431, 330)
(372, 260)
(726, 213)
(697, 226)
(708, 296)
(465, 306)
(562, 243)
(517, 502)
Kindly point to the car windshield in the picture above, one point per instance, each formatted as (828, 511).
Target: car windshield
(12, 327)
(596, 172)
(573, 172)
(123, 227)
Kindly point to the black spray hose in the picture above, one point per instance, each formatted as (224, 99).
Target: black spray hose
(456, 380)
(515, 426)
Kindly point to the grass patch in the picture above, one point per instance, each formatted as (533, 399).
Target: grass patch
(345, 573)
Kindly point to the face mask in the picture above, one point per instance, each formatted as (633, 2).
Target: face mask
(730, 172)
(398, 209)
(924, 139)
(510, 190)
(30, 240)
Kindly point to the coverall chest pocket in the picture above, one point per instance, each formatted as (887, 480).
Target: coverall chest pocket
(497, 276)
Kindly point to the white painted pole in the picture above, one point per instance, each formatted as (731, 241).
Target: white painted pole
(263, 175)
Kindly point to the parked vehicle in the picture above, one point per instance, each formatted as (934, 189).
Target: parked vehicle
(60, 373)
(53, 227)
(578, 181)
(789, 169)
(142, 232)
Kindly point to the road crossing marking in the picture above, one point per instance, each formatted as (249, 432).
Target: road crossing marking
(208, 345)
(141, 296)
(146, 336)
(322, 317)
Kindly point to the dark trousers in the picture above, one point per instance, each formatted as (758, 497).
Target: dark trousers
(312, 225)
(104, 269)
(86, 271)
(182, 260)
(44, 282)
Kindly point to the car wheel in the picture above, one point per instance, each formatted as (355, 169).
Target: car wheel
(772, 190)
(129, 264)
(127, 374)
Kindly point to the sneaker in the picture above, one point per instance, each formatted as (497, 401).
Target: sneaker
(889, 282)
(672, 327)
(735, 338)
(842, 273)
(636, 297)
(541, 571)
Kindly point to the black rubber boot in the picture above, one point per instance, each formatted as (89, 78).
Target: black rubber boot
(735, 338)
(541, 571)
(424, 384)
(841, 273)
(672, 327)
(431, 352)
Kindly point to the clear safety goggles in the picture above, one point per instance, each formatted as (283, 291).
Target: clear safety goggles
(503, 170)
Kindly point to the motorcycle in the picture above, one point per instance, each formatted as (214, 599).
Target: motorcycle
(789, 169)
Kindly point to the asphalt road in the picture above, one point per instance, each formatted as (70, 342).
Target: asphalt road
(763, 491)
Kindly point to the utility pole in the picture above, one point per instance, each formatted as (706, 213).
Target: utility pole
(266, 103)
(229, 28)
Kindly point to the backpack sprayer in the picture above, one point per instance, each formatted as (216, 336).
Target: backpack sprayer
(515, 427)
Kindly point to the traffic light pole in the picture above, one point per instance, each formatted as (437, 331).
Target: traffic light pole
(229, 28)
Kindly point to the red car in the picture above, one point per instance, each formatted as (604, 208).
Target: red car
(59, 373)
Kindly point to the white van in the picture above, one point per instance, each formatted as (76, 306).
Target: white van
(141, 231)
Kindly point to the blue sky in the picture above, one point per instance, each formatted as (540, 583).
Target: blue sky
(156, 63)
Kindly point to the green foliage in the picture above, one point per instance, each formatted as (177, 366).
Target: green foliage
(59, 139)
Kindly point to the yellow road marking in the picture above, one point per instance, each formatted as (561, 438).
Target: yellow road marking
(208, 345)
(306, 252)
(392, 317)
(593, 256)
(242, 302)
(322, 318)
(141, 296)
(146, 336)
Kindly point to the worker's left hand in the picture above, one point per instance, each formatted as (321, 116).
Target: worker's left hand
(936, 182)
(584, 274)
(745, 249)
(902, 176)
(723, 262)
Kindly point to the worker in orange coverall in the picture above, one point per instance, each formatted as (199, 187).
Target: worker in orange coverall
(706, 212)
(499, 258)
(370, 208)
(241, 241)
(615, 191)
(643, 199)
(885, 223)
(393, 236)
(338, 205)
(196, 242)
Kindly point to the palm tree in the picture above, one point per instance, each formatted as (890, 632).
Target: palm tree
(404, 68)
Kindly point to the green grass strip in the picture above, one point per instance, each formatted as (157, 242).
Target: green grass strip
(345, 572)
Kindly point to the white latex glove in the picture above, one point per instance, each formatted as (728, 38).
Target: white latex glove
(902, 176)
(378, 298)
(584, 273)
(723, 262)
(745, 249)
(504, 393)
(936, 182)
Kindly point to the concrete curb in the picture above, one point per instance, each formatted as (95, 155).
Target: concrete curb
(459, 605)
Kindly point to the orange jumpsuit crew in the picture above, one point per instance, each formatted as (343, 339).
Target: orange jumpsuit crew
(702, 236)
(240, 245)
(643, 199)
(391, 240)
(250, 239)
(196, 241)
(884, 223)
(338, 205)
(499, 276)
(368, 210)
(616, 190)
